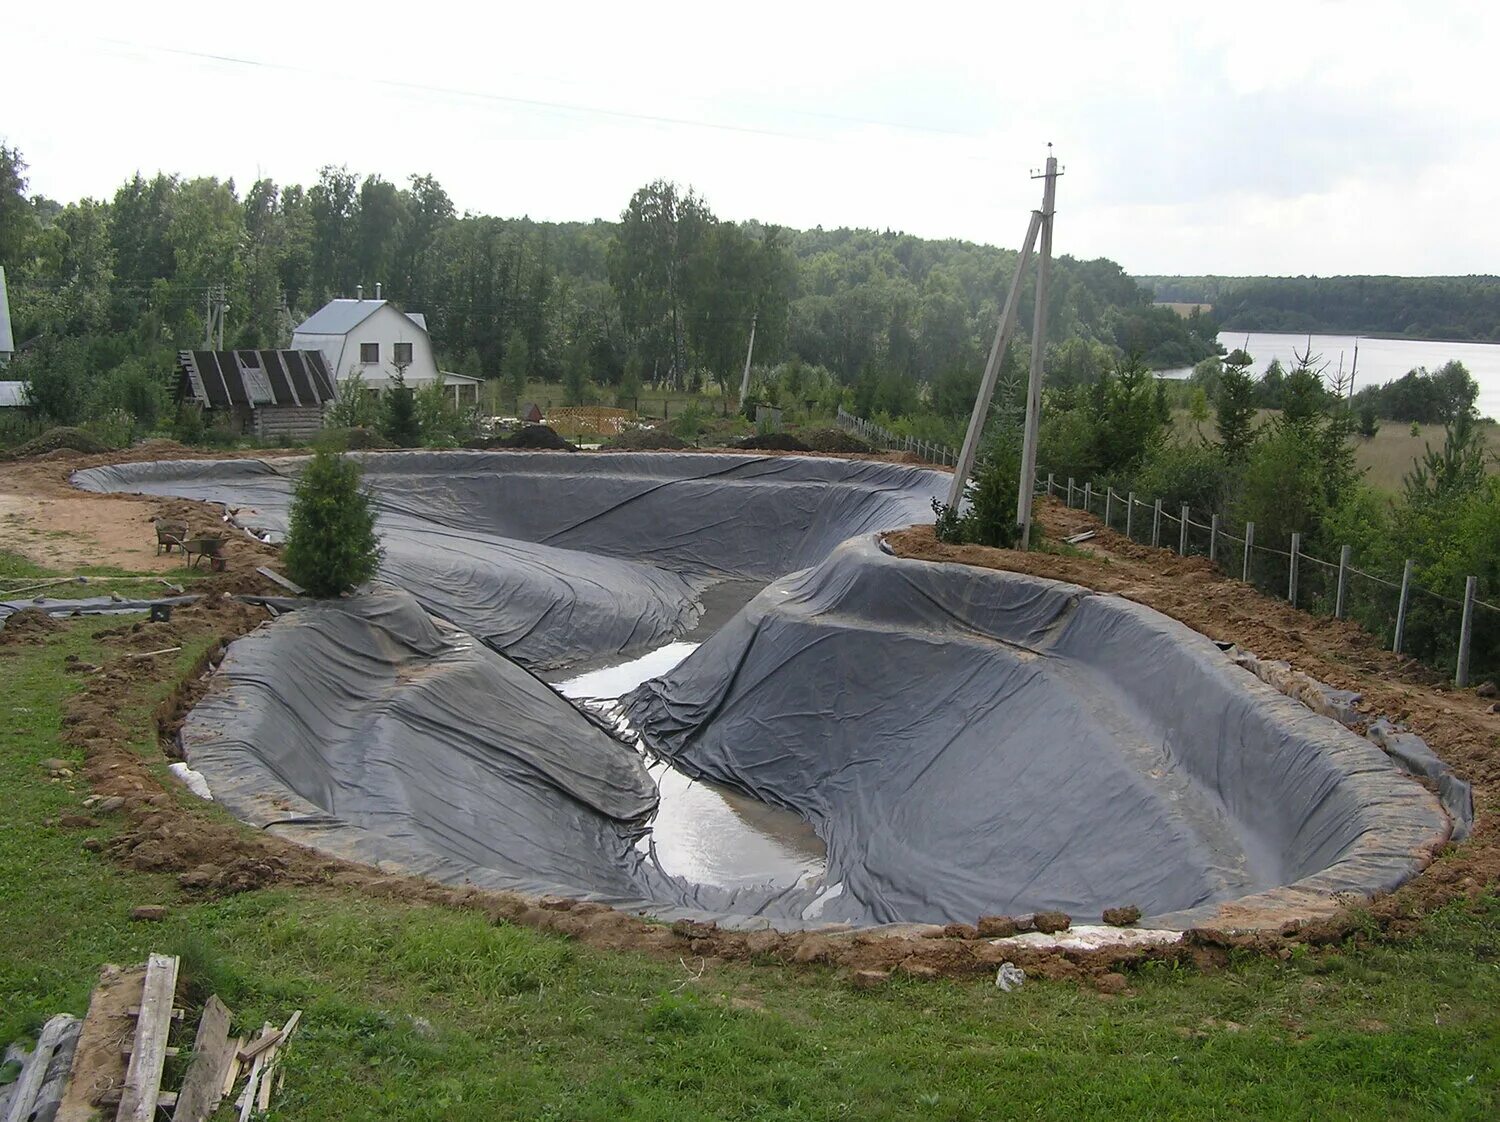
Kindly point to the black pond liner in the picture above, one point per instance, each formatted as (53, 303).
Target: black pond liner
(964, 741)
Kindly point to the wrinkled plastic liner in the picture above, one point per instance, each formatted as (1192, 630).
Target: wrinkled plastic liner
(972, 742)
(556, 559)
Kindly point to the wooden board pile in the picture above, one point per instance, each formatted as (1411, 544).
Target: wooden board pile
(115, 1063)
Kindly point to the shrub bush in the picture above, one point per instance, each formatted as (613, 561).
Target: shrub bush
(331, 545)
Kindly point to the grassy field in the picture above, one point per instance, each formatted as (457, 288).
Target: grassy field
(16, 572)
(415, 1012)
(1387, 456)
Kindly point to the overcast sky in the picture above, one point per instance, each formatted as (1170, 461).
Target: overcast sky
(1324, 136)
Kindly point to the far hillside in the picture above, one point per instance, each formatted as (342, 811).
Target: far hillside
(1465, 309)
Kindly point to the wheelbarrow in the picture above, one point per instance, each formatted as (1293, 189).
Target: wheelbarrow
(198, 548)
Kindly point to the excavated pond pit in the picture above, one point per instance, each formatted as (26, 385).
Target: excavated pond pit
(868, 740)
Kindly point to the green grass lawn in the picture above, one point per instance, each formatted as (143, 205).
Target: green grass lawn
(16, 572)
(422, 1012)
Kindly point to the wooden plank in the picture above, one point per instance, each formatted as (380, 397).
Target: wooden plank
(142, 1089)
(232, 1067)
(285, 582)
(34, 1073)
(135, 1011)
(113, 1098)
(273, 1060)
(246, 1101)
(201, 1085)
(268, 1037)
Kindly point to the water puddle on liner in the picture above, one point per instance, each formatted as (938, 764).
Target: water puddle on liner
(704, 832)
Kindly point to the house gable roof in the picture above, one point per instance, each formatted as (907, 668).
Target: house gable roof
(339, 317)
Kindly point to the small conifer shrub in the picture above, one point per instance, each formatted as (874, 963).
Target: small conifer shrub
(331, 546)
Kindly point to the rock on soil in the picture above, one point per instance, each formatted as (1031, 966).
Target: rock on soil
(773, 442)
(868, 979)
(1050, 923)
(996, 927)
(1122, 917)
(1111, 983)
(1489, 689)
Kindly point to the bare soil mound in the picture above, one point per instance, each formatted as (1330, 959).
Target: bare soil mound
(538, 437)
(774, 442)
(836, 440)
(29, 625)
(646, 440)
(50, 441)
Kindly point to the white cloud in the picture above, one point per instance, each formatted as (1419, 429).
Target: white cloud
(1310, 137)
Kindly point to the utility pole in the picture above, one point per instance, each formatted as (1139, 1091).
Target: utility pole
(749, 351)
(1040, 228)
(1003, 332)
(1038, 353)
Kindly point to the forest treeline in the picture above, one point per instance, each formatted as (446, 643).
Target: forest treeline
(666, 294)
(1456, 308)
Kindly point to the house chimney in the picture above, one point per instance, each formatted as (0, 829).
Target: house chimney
(377, 290)
(359, 292)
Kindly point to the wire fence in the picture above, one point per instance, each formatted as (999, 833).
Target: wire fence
(1421, 622)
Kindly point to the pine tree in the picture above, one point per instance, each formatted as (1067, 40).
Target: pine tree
(331, 546)
(401, 424)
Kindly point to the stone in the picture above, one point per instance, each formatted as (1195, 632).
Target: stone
(762, 942)
(93, 845)
(150, 913)
(914, 969)
(868, 979)
(1111, 983)
(1488, 689)
(960, 931)
(77, 822)
(1025, 922)
(1052, 922)
(996, 927)
(1122, 917)
(54, 764)
(110, 804)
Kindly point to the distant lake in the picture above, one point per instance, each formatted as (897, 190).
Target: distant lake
(1380, 360)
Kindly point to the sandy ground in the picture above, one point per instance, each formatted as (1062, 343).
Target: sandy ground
(45, 519)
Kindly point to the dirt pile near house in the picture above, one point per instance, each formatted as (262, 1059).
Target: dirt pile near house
(646, 440)
(773, 442)
(836, 440)
(539, 437)
(52, 440)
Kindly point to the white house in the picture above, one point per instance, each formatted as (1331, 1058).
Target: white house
(373, 339)
(7, 343)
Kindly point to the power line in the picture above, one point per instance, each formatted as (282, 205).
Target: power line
(527, 102)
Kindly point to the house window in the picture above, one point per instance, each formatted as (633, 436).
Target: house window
(403, 354)
(369, 352)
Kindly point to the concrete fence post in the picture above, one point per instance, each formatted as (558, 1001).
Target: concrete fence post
(1213, 540)
(1051, 485)
(1249, 546)
(1465, 633)
(1129, 514)
(1182, 537)
(1156, 524)
(1401, 607)
(1088, 495)
(1109, 495)
(1291, 582)
(1338, 600)
(1070, 492)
